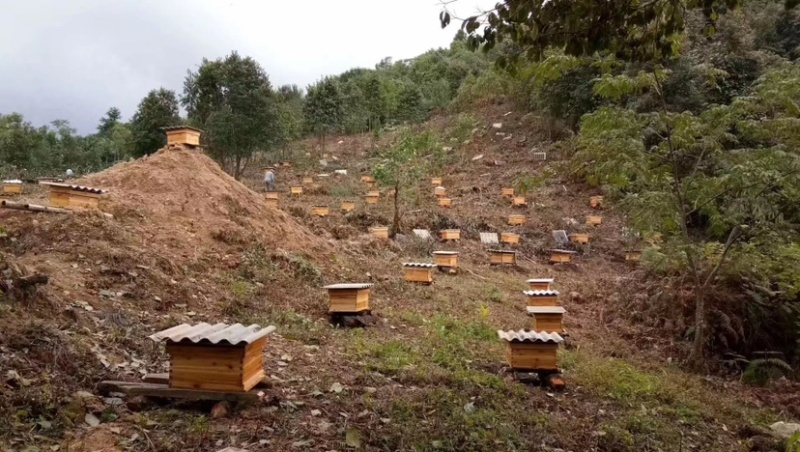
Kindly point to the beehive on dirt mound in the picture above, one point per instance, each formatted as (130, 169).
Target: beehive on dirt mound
(179, 195)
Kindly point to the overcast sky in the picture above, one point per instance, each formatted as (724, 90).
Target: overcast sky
(73, 59)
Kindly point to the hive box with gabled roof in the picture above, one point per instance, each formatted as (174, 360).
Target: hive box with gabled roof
(446, 259)
(531, 350)
(418, 272)
(216, 357)
(348, 297)
(73, 196)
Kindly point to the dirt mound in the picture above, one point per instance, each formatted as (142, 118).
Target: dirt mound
(182, 197)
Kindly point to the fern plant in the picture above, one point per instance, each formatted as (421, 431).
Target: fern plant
(761, 371)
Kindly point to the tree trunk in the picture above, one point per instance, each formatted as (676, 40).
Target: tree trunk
(396, 219)
(236, 167)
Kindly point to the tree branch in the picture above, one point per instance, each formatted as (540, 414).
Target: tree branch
(735, 233)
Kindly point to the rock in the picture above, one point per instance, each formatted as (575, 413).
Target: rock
(477, 157)
(136, 403)
(91, 419)
(219, 410)
(497, 125)
(337, 388)
(784, 430)
(575, 296)
(316, 412)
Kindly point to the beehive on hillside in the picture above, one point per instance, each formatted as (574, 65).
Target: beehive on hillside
(418, 272)
(541, 297)
(633, 255)
(446, 259)
(320, 211)
(308, 180)
(531, 350)
(12, 187)
(348, 206)
(436, 181)
(579, 238)
(450, 234)
(509, 237)
(593, 220)
(73, 196)
(440, 191)
(367, 179)
(372, 197)
(561, 256)
(381, 232)
(216, 357)
(547, 318)
(182, 136)
(540, 283)
(596, 201)
(507, 192)
(519, 201)
(296, 191)
(348, 297)
(502, 257)
(445, 202)
(516, 219)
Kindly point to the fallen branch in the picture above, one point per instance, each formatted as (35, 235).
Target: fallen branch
(479, 276)
(24, 282)
(32, 207)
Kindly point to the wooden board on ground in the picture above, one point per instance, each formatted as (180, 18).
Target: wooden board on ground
(164, 391)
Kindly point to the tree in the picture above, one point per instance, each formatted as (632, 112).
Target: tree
(323, 108)
(290, 114)
(157, 110)
(232, 100)
(108, 121)
(402, 165)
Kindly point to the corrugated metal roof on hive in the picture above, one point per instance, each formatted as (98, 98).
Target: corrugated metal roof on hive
(446, 253)
(418, 264)
(529, 336)
(214, 334)
(540, 293)
(350, 286)
(488, 238)
(98, 191)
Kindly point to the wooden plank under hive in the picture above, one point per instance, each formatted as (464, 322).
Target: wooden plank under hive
(594, 220)
(509, 237)
(541, 297)
(450, 234)
(320, 211)
(348, 206)
(381, 232)
(440, 191)
(516, 219)
(436, 181)
(446, 259)
(418, 272)
(519, 201)
(445, 202)
(549, 319)
(347, 297)
(507, 192)
(503, 257)
(531, 350)
(540, 283)
(579, 238)
(296, 191)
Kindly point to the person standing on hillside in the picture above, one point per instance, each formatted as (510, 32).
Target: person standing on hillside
(269, 178)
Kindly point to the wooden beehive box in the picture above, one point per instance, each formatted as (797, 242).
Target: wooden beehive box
(507, 192)
(540, 283)
(182, 135)
(296, 191)
(596, 201)
(272, 195)
(227, 358)
(440, 191)
(367, 179)
(561, 256)
(450, 234)
(436, 181)
(579, 238)
(381, 232)
(348, 297)
(509, 237)
(549, 319)
(633, 255)
(446, 259)
(531, 350)
(320, 211)
(348, 206)
(308, 180)
(418, 272)
(12, 187)
(516, 219)
(503, 257)
(541, 297)
(518, 201)
(372, 197)
(593, 220)
(445, 202)
(73, 196)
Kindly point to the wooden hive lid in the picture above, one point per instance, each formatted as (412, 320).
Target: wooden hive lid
(205, 333)
(418, 265)
(529, 336)
(348, 286)
(545, 310)
(541, 280)
(446, 253)
(541, 293)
